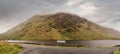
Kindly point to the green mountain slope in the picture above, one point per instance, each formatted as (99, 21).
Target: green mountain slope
(59, 26)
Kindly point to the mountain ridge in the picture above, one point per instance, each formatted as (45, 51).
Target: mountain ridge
(60, 26)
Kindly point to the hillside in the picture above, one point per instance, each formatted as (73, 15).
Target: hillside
(60, 26)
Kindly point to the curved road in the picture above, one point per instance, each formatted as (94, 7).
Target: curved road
(35, 49)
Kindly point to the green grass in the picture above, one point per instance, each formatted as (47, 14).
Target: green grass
(6, 48)
(67, 46)
(72, 46)
(117, 52)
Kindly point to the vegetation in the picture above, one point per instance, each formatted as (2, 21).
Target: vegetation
(117, 52)
(6, 48)
(73, 46)
(59, 26)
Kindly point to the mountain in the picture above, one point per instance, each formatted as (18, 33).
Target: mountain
(60, 26)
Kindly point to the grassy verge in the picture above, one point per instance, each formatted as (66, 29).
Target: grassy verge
(117, 52)
(66, 46)
(6, 48)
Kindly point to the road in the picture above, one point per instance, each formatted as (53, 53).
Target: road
(35, 49)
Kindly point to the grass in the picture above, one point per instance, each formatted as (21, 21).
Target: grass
(72, 46)
(117, 52)
(6, 48)
(67, 46)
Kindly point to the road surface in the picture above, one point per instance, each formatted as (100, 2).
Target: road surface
(35, 49)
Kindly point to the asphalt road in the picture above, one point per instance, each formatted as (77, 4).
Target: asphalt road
(35, 49)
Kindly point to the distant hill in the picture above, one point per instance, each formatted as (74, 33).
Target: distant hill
(59, 26)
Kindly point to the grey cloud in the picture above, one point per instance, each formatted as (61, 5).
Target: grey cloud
(16, 11)
(11, 7)
(107, 8)
(108, 12)
(12, 12)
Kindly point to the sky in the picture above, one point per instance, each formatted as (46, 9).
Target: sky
(103, 12)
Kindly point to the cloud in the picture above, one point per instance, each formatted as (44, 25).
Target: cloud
(103, 12)
(13, 12)
(73, 2)
(87, 8)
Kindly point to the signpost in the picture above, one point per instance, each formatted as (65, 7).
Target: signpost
(61, 41)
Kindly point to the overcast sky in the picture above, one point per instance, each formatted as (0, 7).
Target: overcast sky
(103, 12)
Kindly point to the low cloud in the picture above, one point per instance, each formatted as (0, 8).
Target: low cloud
(103, 12)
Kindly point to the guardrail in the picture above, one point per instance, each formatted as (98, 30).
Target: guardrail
(47, 42)
(88, 43)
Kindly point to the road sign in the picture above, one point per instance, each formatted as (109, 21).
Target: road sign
(61, 41)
